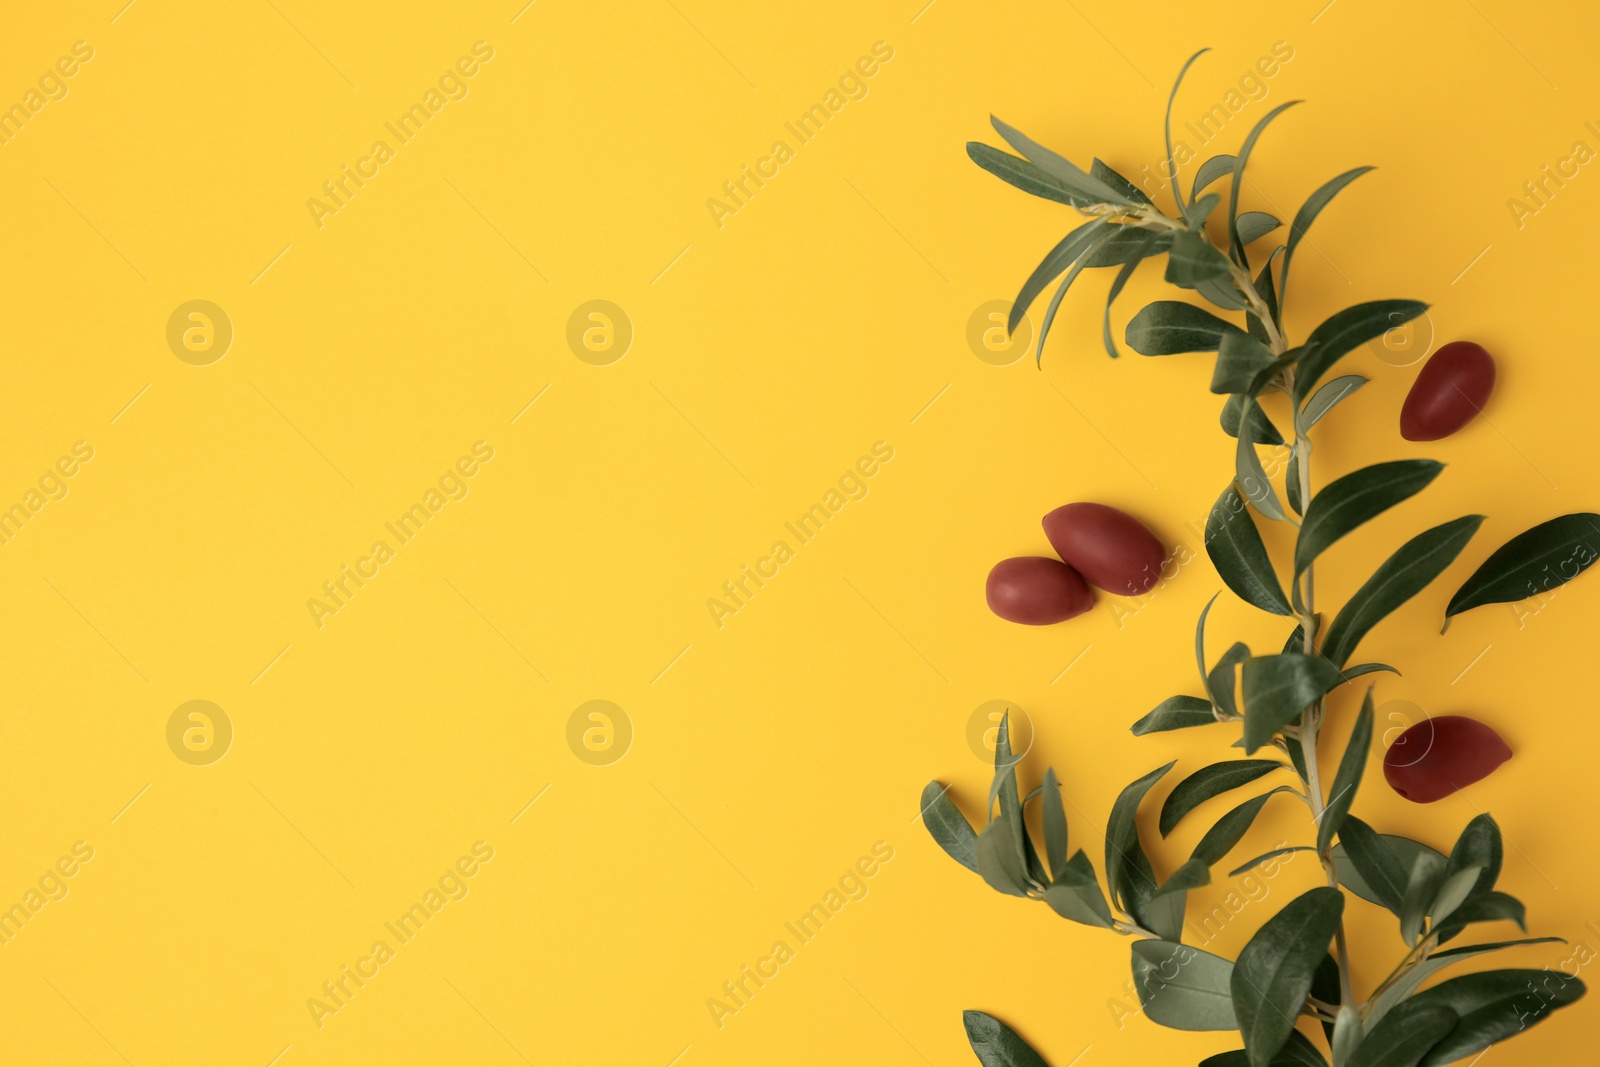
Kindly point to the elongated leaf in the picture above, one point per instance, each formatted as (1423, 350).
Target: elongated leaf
(1362, 495)
(1401, 577)
(1345, 1035)
(1172, 167)
(1181, 987)
(1235, 547)
(1345, 331)
(1199, 211)
(1422, 886)
(1272, 975)
(1059, 167)
(1222, 292)
(1406, 1037)
(1233, 414)
(1533, 562)
(1055, 825)
(1254, 225)
(1128, 871)
(1210, 171)
(1403, 987)
(1323, 400)
(1220, 682)
(1269, 296)
(1294, 489)
(1145, 248)
(1164, 911)
(1103, 171)
(1023, 175)
(1308, 214)
(1000, 859)
(1478, 846)
(1266, 856)
(1452, 891)
(1277, 688)
(1061, 291)
(996, 1044)
(1220, 839)
(1369, 867)
(1348, 778)
(1241, 361)
(1248, 472)
(1168, 327)
(1076, 894)
(1238, 180)
(1176, 713)
(1486, 907)
(1200, 642)
(1123, 243)
(1209, 782)
(1299, 1052)
(1054, 264)
(1493, 1005)
(949, 828)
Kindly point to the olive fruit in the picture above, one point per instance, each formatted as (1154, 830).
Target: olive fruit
(1037, 591)
(1438, 756)
(1112, 550)
(1454, 385)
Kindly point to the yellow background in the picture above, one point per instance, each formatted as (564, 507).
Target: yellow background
(768, 355)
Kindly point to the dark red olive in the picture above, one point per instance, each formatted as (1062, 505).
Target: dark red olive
(1112, 550)
(1037, 591)
(1438, 756)
(1454, 385)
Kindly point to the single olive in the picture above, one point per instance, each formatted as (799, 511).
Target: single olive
(1454, 386)
(1438, 756)
(1037, 591)
(1111, 549)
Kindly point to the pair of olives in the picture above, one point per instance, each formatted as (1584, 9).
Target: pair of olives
(1100, 545)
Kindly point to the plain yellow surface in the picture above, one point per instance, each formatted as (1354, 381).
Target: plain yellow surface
(774, 748)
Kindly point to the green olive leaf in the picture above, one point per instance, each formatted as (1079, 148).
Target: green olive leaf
(1278, 688)
(1299, 1052)
(1076, 894)
(1422, 886)
(1266, 856)
(1345, 331)
(1250, 475)
(1102, 171)
(1492, 1006)
(1403, 987)
(1272, 975)
(1242, 365)
(1128, 872)
(1220, 682)
(1098, 240)
(1172, 167)
(1183, 988)
(1401, 577)
(1193, 259)
(1533, 562)
(1150, 244)
(1478, 846)
(1323, 400)
(1235, 547)
(1375, 866)
(1169, 327)
(1233, 413)
(1210, 782)
(1308, 214)
(1068, 173)
(1055, 825)
(1228, 830)
(1054, 264)
(1254, 225)
(949, 828)
(1021, 174)
(1348, 777)
(1209, 172)
(996, 1044)
(1405, 1037)
(1346, 503)
(1176, 713)
(1238, 181)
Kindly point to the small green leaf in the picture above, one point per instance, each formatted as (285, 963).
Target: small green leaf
(949, 828)
(1054, 264)
(1000, 859)
(1145, 248)
(1308, 214)
(1210, 171)
(1128, 871)
(1068, 173)
(1269, 296)
(1293, 489)
(1164, 912)
(1406, 1037)
(1176, 713)
(1235, 547)
(1493, 1005)
(1222, 292)
(1533, 562)
(996, 1044)
(1172, 167)
(1102, 171)
(1192, 259)
(1124, 242)
(1023, 175)
(1478, 846)
(1168, 327)
(1422, 886)
(1323, 400)
(1055, 825)
(1254, 225)
(1248, 472)
(1369, 866)
(1220, 839)
(1061, 291)
(1220, 681)
(1452, 892)
(1357, 497)
(1403, 987)
(1346, 1036)
(1278, 688)
(1200, 642)
(1401, 577)
(1183, 988)
(1242, 364)
(1265, 856)
(1484, 908)
(1238, 180)
(1233, 413)
(1348, 777)
(1076, 894)
(1272, 975)
(1209, 782)
(1200, 210)
(1344, 332)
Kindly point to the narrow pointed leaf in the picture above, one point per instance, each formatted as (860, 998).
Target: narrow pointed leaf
(1265, 856)
(1452, 891)
(1421, 887)
(1323, 400)
(1146, 246)
(1385, 1002)
(1254, 225)
(1250, 475)
(1210, 171)
(1408, 1034)
(1220, 682)
(1308, 214)
(1176, 713)
(1021, 174)
(1345, 331)
(1055, 825)
(1172, 167)
(1222, 292)
(1209, 782)
(1000, 859)
(1401, 577)
(1059, 167)
(1233, 413)
(1277, 688)
(1168, 327)
(1348, 502)
(1104, 172)
(1235, 547)
(949, 828)
(1348, 777)
(1533, 562)
(1054, 264)
(1076, 894)
(1242, 362)
(1220, 839)
(1487, 907)
(1299, 1052)
(1061, 292)
(1369, 867)
(996, 1044)
(1272, 975)
(1128, 871)
(1493, 1005)
(1238, 180)
(1478, 846)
